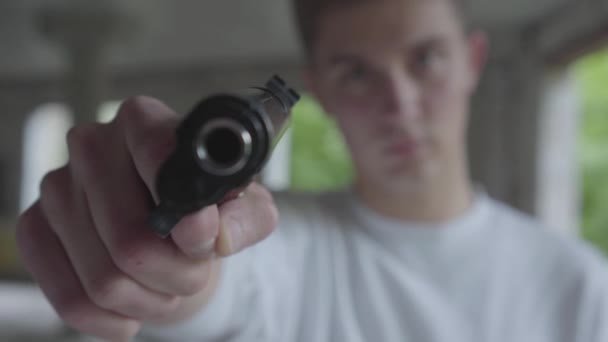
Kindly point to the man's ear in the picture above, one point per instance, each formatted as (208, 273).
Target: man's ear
(479, 48)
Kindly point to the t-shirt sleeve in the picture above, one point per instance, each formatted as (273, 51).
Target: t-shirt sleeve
(248, 304)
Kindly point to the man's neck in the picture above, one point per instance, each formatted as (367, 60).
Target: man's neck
(442, 198)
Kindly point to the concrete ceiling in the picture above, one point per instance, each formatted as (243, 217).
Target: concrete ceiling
(199, 32)
(497, 13)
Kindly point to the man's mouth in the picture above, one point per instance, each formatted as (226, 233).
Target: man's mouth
(404, 147)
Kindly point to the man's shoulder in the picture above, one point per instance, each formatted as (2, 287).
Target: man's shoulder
(565, 276)
(542, 245)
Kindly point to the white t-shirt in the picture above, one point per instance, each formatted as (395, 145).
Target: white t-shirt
(338, 271)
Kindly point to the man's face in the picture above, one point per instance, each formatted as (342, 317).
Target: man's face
(397, 75)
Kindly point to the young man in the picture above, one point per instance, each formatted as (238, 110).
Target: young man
(413, 252)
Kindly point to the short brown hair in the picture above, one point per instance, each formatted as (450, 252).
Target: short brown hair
(308, 12)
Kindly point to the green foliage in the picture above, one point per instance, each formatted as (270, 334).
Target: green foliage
(592, 73)
(320, 158)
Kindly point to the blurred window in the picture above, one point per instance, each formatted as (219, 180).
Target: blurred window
(44, 144)
(43, 147)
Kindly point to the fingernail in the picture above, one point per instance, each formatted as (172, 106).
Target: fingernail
(229, 237)
(207, 248)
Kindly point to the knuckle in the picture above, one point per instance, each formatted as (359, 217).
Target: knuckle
(78, 312)
(194, 283)
(83, 134)
(121, 295)
(163, 309)
(77, 317)
(150, 148)
(72, 310)
(135, 111)
(23, 233)
(84, 141)
(55, 197)
(142, 121)
(108, 291)
(166, 310)
(30, 227)
(130, 109)
(130, 257)
(53, 182)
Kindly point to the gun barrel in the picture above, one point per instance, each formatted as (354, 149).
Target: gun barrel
(223, 143)
(223, 147)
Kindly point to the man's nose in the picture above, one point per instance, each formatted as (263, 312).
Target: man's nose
(401, 96)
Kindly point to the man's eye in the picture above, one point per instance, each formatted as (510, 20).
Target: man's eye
(427, 62)
(356, 74)
(426, 58)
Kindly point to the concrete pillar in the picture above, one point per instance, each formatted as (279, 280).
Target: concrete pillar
(84, 31)
(558, 186)
(11, 153)
(505, 121)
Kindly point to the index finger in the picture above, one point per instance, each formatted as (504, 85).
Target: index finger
(149, 127)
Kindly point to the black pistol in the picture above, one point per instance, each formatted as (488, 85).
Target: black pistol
(222, 144)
